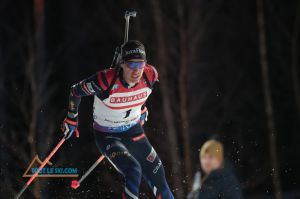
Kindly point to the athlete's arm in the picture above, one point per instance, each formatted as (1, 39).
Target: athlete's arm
(154, 78)
(155, 75)
(152, 75)
(86, 87)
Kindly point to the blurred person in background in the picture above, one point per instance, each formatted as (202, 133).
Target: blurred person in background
(218, 180)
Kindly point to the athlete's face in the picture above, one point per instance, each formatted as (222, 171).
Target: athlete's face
(210, 163)
(133, 70)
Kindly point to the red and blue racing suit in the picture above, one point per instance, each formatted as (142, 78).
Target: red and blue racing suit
(118, 130)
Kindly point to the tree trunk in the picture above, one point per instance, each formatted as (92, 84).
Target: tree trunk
(166, 100)
(294, 52)
(268, 100)
(33, 72)
(33, 146)
(183, 92)
(32, 131)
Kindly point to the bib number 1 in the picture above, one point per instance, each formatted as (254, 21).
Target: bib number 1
(127, 113)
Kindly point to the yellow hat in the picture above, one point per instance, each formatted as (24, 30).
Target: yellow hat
(214, 148)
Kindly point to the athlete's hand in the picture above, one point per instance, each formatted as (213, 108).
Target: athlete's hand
(68, 127)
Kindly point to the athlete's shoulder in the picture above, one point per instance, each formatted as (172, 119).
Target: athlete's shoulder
(151, 72)
(106, 76)
(108, 71)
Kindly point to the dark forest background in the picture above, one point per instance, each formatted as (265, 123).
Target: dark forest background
(228, 69)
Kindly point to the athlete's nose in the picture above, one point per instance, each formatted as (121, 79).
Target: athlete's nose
(136, 71)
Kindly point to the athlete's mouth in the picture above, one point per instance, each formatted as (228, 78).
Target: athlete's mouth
(135, 76)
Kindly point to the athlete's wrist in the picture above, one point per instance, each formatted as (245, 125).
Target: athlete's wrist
(72, 116)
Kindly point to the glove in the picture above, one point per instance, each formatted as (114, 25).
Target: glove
(144, 116)
(68, 127)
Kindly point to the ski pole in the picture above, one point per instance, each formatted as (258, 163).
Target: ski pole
(75, 184)
(40, 168)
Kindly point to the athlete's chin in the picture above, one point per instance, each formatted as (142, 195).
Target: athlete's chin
(135, 80)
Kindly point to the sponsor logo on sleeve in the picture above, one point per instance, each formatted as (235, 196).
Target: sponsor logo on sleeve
(90, 87)
(152, 155)
(157, 167)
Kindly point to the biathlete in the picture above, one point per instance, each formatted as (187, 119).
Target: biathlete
(119, 112)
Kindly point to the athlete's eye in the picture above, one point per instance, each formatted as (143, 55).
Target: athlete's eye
(135, 65)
